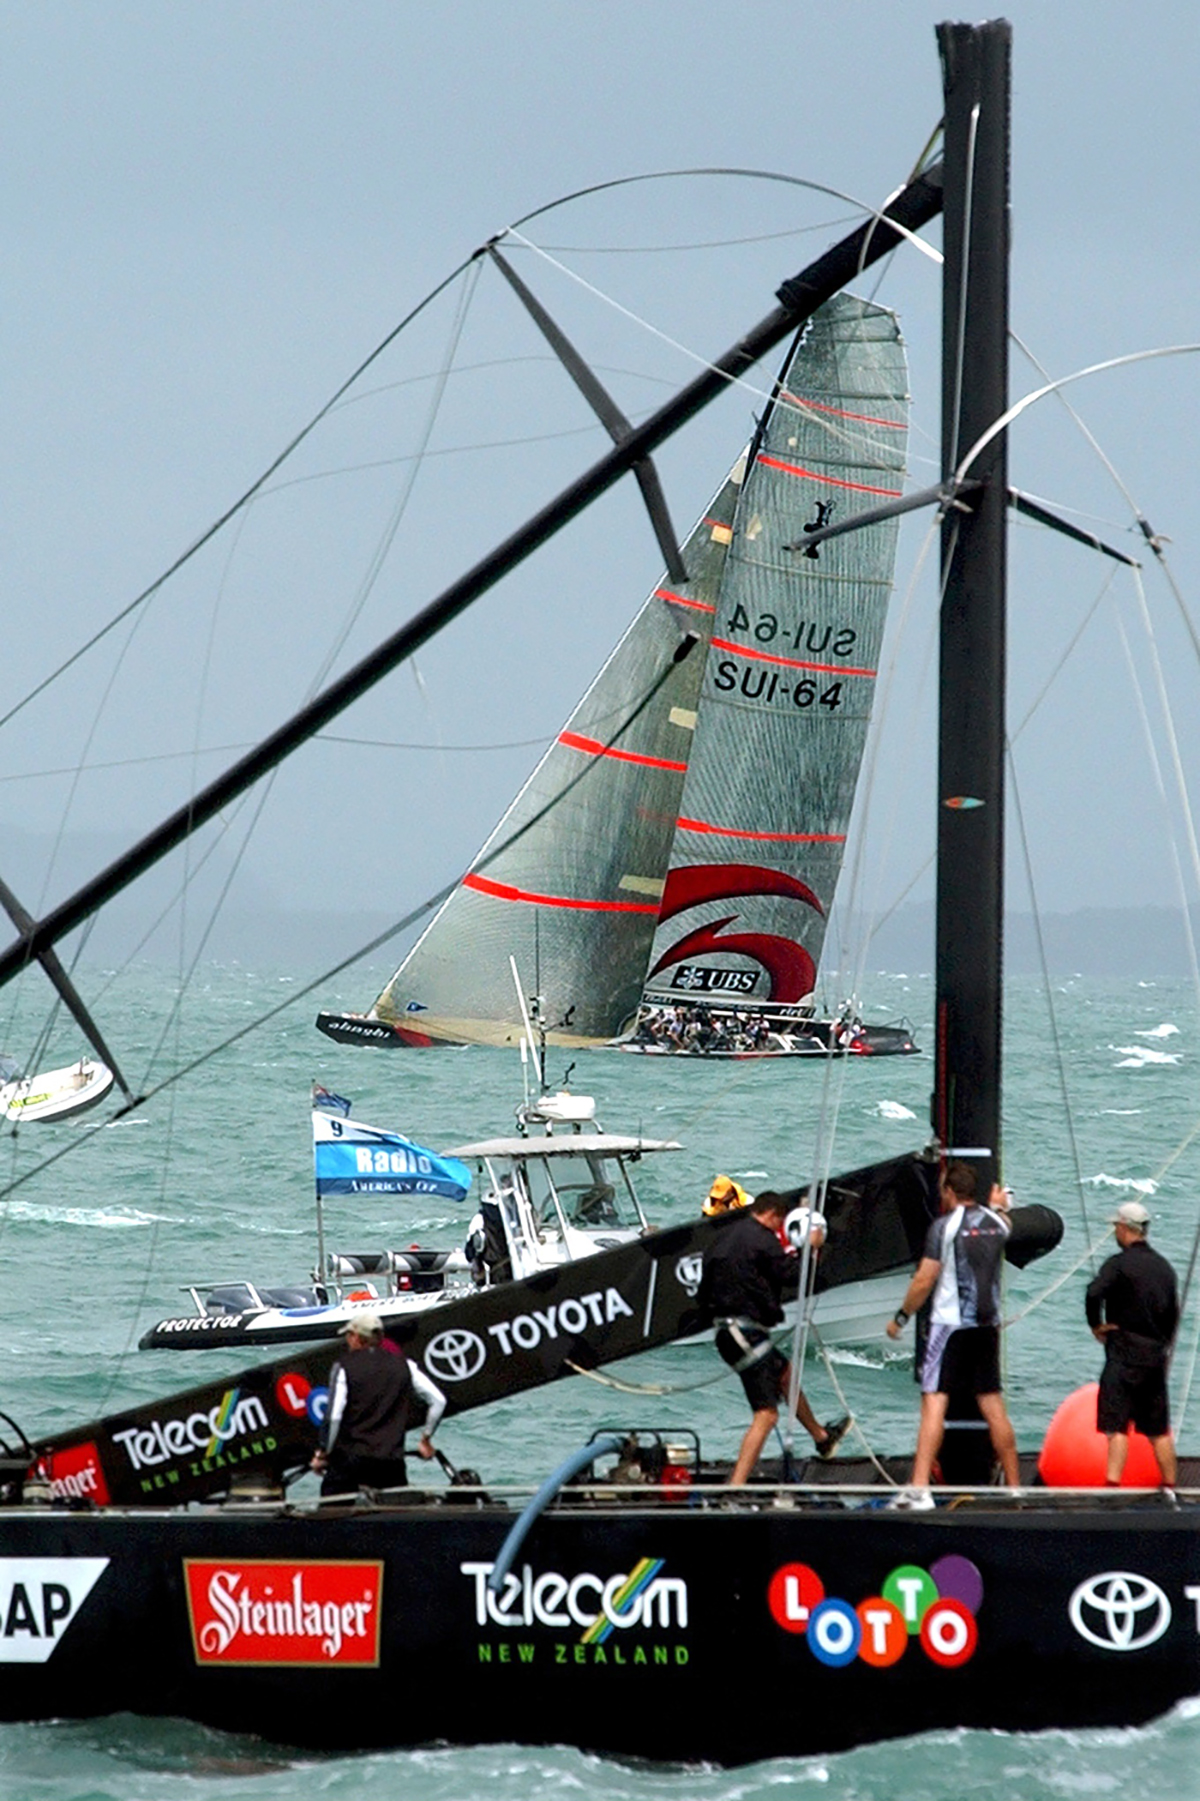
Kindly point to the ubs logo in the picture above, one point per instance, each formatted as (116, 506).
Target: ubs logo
(1119, 1611)
(455, 1356)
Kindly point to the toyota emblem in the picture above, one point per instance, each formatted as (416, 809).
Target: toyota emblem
(455, 1355)
(1119, 1611)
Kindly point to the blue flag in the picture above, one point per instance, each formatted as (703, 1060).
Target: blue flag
(330, 1103)
(351, 1158)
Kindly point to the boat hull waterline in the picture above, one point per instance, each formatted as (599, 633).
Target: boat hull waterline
(304, 1628)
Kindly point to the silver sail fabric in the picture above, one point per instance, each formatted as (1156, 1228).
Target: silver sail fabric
(571, 879)
(790, 676)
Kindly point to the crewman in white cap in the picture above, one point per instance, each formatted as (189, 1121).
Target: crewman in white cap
(1133, 1309)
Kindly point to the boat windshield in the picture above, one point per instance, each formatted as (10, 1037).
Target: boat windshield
(590, 1192)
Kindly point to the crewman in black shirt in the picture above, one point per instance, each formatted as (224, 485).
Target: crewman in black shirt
(1133, 1309)
(741, 1290)
(374, 1392)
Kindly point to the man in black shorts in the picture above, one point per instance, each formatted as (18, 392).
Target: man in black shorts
(1133, 1309)
(742, 1290)
(960, 1268)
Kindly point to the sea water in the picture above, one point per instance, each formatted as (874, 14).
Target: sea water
(213, 1181)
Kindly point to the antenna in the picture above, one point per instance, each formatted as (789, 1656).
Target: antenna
(530, 1049)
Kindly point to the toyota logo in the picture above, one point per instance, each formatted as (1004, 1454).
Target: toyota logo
(455, 1356)
(1119, 1611)
(688, 1271)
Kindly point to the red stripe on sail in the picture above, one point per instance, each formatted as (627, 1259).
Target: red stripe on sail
(762, 656)
(840, 412)
(594, 748)
(501, 891)
(729, 831)
(832, 480)
(677, 600)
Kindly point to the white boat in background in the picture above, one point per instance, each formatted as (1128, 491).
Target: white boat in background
(53, 1093)
(561, 1190)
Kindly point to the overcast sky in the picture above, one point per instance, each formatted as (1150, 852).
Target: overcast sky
(215, 211)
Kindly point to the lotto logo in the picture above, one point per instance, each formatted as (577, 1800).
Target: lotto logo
(937, 1607)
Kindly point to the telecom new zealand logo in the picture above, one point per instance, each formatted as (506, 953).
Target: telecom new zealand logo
(643, 1603)
(936, 1607)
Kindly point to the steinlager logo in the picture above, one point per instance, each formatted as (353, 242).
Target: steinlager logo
(259, 1612)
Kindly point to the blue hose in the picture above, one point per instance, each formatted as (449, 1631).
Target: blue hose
(518, 1532)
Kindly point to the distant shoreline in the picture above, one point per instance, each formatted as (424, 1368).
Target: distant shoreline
(1143, 943)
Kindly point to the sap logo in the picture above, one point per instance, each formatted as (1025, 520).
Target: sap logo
(39, 1597)
(599, 1605)
(1121, 1611)
(937, 1607)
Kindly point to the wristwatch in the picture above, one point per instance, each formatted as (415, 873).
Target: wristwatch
(900, 1318)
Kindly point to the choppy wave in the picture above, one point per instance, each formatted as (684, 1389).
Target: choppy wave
(893, 1110)
(1166, 1030)
(1139, 1184)
(107, 1218)
(1140, 1056)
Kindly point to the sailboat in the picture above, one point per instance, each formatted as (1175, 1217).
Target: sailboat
(52, 1093)
(679, 844)
(598, 1608)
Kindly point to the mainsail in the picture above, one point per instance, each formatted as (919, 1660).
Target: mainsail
(789, 677)
(570, 881)
(703, 765)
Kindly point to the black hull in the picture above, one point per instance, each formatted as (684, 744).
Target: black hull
(657, 1688)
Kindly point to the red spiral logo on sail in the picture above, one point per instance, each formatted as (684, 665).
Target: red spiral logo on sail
(792, 972)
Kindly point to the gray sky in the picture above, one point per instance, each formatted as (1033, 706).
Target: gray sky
(214, 211)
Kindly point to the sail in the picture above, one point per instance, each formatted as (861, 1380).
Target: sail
(789, 676)
(570, 881)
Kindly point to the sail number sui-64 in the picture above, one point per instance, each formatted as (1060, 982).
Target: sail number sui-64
(760, 682)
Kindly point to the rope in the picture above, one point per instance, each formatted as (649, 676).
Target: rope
(846, 1408)
(646, 1388)
(1016, 1318)
(1060, 1061)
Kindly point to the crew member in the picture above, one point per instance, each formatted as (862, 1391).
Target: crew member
(1133, 1309)
(374, 1391)
(724, 1195)
(741, 1290)
(960, 1268)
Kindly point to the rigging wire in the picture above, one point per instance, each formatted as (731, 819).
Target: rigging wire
(1156, 770)
(343, 390)
(430, 904)
(244, 499)
(1060, 1061)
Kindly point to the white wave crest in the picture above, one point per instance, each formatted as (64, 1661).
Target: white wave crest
(1140, 1185)
(108, 1218)
(894, 1110)
(1166, 1030)
(856, 1359)
(1140, 1056)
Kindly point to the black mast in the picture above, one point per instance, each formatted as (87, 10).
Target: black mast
(970, 839)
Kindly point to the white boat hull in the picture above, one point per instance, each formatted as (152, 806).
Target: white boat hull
(56, 1093)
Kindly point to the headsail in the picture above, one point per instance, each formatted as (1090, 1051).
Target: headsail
(790, 674)
(571, 879)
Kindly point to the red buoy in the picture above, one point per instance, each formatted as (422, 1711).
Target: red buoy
(1074, 1454)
